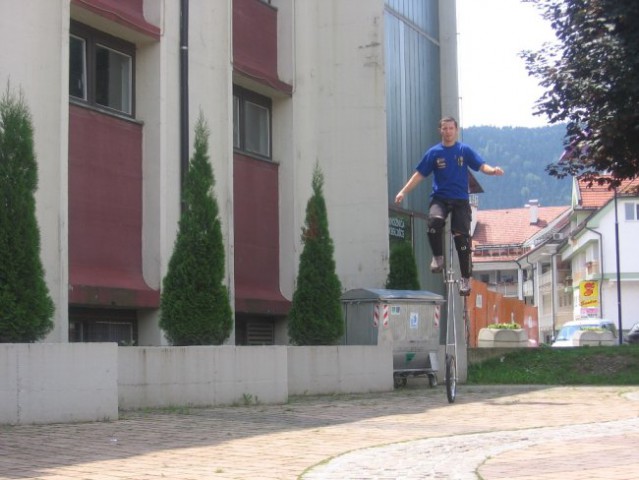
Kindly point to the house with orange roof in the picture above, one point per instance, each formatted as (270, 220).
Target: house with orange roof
(515, 252)
(571, 261)
(604, 226)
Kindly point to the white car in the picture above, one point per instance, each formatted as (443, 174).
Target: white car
(568, 329)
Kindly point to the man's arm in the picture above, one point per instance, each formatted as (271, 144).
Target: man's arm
(412, 183)
(488, 170)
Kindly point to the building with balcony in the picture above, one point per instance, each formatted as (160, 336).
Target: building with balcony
(604, 225)
(569, 262)
(515, 253)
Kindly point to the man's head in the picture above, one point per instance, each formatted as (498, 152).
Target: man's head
(448, 130)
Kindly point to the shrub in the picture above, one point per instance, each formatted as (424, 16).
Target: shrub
(195, 307)
(316, 312)
(505, 326)
(26, 309)
(403, 269)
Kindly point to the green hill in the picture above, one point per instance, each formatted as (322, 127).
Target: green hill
(523, 153)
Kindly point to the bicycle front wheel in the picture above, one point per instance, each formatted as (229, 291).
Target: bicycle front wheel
(451, 378)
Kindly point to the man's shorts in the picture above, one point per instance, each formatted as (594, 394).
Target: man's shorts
(460, 209)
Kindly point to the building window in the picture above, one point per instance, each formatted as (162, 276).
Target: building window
(101, 69)
(251, 123)
(632, 211)
(102, 325)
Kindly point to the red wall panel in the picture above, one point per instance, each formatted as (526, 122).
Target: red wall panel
(105, 211)
(129, 13)
(256, 220)
(255, 42)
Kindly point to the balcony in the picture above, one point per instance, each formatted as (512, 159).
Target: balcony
(506, 289)
(592, 269)
(528, 288)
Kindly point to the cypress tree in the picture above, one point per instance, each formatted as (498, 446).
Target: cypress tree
(403, 269)
(195, 306)
(26, 309)
(316, 312)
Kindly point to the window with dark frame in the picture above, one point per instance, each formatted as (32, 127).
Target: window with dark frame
(251, 123)
(101, 69)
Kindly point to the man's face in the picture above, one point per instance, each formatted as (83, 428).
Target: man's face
(448, 131)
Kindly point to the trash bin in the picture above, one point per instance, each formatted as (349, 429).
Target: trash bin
(408, 320)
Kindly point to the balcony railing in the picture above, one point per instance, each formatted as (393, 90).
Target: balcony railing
(506, 289)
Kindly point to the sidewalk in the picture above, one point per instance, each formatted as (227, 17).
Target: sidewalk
(500, 432)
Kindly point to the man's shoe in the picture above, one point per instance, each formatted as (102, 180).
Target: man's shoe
(464, 286)
(437, 264)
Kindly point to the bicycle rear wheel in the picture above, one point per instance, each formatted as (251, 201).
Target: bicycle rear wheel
(451, 378)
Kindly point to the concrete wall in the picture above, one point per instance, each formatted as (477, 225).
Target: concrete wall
(339, 369)
(34, 45)
(201, 376)
(58, 382)
(77, 382)
(337, 118)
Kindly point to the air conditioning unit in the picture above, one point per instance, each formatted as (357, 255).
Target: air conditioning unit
(558, 236)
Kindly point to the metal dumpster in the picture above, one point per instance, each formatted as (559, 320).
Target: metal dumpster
(406, 319)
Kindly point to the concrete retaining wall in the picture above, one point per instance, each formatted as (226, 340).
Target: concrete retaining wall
(201, 376)
(77, 382)
(478, 355)
(339, 369)
(58, 382)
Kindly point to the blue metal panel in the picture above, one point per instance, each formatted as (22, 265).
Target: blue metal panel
(413, 94)
(422, 14)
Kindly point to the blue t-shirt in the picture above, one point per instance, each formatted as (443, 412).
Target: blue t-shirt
(449, 166)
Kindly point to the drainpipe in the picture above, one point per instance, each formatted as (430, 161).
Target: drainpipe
(184, 91)
(533, 269)
(520, 281)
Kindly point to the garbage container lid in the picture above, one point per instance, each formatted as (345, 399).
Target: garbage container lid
(377, 294)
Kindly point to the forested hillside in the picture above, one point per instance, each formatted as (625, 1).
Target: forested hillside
(523, 153)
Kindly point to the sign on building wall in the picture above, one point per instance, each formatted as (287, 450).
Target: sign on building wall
(399, 227)
(589, 294)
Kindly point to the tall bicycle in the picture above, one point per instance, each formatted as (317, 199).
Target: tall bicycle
(451, 320)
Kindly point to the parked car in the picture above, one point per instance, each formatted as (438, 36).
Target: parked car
(567, 331)
(633, 334)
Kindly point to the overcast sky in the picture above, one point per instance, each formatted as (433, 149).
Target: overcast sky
(494, 86)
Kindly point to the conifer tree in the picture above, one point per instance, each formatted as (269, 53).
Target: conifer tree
(403, 269)
(26, 309)
(195, 307)
(316, 313)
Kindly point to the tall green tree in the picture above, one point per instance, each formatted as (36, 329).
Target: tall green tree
(591, 76)
(316, 313)
(26, 309)
(403, 269)
(195, 306)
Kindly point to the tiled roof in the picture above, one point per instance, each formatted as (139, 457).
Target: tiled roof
(511, 226)
(596, 196)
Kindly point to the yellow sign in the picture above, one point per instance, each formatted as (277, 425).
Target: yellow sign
(589, 293)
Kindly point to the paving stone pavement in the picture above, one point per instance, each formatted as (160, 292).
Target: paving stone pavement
(491, 432)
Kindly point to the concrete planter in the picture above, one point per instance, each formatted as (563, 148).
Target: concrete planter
(593, 338)
(502, 338)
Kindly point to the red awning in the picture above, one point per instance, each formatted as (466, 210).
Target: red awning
(112, 288)
(261, 301)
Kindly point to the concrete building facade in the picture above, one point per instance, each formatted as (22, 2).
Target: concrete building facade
(283, 85)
